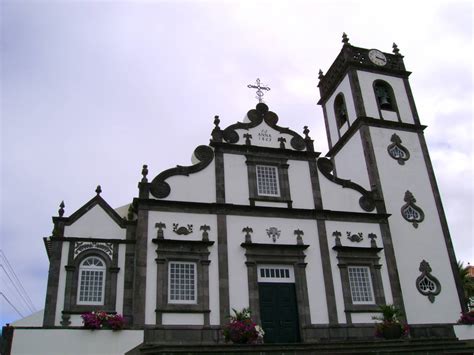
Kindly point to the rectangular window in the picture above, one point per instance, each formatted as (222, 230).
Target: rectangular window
(267, 180)
(182, 282)
(91, 287)
(360, 284)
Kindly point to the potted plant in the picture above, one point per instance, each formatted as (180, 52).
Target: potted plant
(391, 326)
(467, 318)
(242, 330)
(100, 319)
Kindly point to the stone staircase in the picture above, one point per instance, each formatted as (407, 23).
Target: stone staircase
(400, 346)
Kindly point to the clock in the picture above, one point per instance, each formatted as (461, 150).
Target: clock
(377, 57)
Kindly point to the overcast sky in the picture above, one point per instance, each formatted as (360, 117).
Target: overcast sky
(91, 91)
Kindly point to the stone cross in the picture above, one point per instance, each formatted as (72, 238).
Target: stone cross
(259, 88)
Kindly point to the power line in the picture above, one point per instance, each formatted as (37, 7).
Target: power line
(18, 280)
(6, 299)
(20, 289)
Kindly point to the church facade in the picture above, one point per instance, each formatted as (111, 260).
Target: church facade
(311, 244)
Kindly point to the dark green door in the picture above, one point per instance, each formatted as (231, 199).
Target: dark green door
(278, 312)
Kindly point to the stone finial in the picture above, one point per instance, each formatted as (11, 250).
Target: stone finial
(216, 121)
(337, 235)
(98, 190)
(282, 141)
(248, 236)
(395, 50)
(320, 74)
(248, 138)
(306, 132)
(205, 235)
(61, 209)
(299, 239)
(130, 213)
(345, 39)
(144, 173)
(160, 226)
(372, 238)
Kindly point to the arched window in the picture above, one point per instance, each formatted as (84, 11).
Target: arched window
(384, 94)
(340, 110)
(91, 281)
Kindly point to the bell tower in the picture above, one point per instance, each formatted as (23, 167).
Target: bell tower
(376, 140)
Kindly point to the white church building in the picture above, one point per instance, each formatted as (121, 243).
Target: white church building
(311, 243)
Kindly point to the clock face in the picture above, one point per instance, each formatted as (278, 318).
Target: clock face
(377, 57)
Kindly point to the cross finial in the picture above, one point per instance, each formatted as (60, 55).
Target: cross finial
(259, 88)
(345, 39)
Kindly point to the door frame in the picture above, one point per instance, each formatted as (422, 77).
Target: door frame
(278, 254)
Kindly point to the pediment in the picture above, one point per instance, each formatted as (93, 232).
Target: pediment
(262, 130)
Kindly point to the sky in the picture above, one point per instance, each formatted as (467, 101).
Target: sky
(92, 90)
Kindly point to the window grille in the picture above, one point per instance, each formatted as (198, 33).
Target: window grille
(91, 281)
(360, 284)
(411, 214)
(267, 180)
(276, 273)
(396, 152)
(426, 285)
(182, 282)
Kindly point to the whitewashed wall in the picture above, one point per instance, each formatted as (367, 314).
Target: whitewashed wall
(95, 223)
(412, 245)
(366, 80)
(337, 198)
(236, 179)
(74, 341)
(183, 219)
(345, 88)
(197, 187)
(345, 160)
(300, 184)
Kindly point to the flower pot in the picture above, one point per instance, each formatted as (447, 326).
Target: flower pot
(392, 331)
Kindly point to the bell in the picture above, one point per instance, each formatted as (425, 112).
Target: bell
(384, 103)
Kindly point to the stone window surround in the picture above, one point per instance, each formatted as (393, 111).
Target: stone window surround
(284, 186)
(278, 254)
(194, 251)
(71, 305)
(392, 96)
(338, 102)
(360, 256)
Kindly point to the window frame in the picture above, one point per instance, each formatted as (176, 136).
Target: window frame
(277, 182)
(195, 277)
(368, 281)
(281, 165)
(102, 269)
(357, 257)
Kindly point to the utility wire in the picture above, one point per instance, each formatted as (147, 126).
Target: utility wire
(31, 305)
(16, 288)
(6, 299)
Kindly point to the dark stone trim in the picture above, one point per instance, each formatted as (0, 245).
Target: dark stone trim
(196, 251)
(256, 117)
(284, 185)
(96, 200)
(326, 123)
(53, 283)
(160, 188)
(98, 240)
(265, 152)
(389, 251)
(411, 100)
(224, 298)
(366, 202)
(261, 211)
(327, 272)
(257, 253)
(443, 221)
(71, 281)
(372, 122)
(359, 256)
(6, 339)
(356, 93)
(128, 275)
(220, 175)
(139, 277)
(355, 58)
